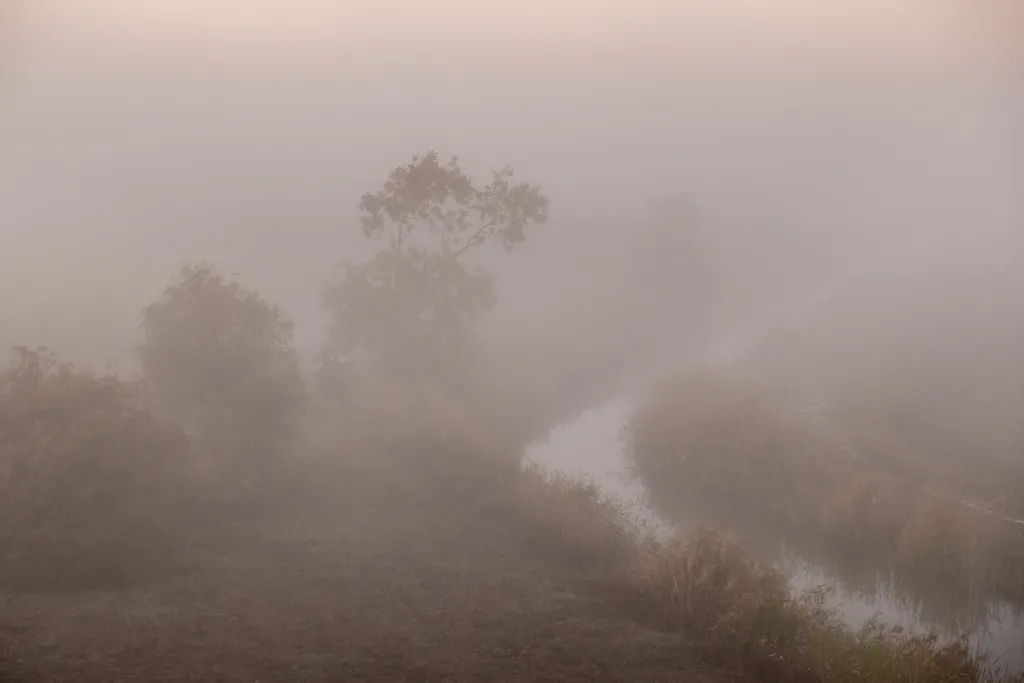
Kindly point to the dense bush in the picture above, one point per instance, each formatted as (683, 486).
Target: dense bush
(89, 478)
(218, 359)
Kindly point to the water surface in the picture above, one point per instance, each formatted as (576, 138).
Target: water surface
(591, 447)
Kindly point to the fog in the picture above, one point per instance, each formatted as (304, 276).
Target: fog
(809, 148)
(821, 200)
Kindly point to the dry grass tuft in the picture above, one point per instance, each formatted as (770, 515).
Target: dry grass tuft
(740, 611)
(574, 518)
(945, 544)
(709, 445)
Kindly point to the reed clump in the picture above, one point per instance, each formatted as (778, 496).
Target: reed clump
(739, 611)
(709, 446)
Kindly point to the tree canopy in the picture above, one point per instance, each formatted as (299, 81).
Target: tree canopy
(409, 311)
(218, 358)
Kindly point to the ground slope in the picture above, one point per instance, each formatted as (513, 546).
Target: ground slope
(367, 590)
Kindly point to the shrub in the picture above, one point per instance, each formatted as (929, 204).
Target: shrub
(88, 477)
(711, 589)
(218, 359)
(738, 610)
(574, 518)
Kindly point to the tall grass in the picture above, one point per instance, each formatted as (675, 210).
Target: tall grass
(737, 610)
(708, 446)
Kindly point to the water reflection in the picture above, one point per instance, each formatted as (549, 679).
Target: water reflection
(863, 586)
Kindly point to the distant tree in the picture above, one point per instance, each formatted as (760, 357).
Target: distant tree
(410, 310)
(218, 358)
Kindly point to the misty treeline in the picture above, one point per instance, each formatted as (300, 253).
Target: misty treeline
(97, 467)
(224, 408)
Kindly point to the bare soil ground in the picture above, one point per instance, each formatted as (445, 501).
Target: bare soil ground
(365, 590)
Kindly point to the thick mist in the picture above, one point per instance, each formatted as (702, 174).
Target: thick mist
(719, 176)
(758, 272)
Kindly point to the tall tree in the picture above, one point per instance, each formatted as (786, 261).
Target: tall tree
(410, 310)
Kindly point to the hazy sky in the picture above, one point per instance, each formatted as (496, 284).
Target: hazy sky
(138, 133)
(298, 21)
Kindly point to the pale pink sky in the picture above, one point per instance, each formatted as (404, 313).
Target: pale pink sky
(138, 133)
(928, 25)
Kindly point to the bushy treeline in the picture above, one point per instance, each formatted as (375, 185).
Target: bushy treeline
(102, 476)
(90, 478)
(99, 474)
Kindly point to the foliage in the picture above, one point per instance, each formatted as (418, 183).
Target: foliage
(441, 198)
(218, 359)
(713, 589)
(708, 448)
(737, 610)
(574, 518)
(409, 311)
(88, 476)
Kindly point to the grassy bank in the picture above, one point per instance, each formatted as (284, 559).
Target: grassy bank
(707, 447)
(401, 473)
(738, 611)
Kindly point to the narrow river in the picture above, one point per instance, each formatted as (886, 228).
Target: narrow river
(590, 447)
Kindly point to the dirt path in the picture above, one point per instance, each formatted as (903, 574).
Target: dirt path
(359, 593)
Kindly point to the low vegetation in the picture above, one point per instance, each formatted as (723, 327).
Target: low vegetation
(710, 448)
(738, 610)
(104, 482)
(90, 480)
(703, 587)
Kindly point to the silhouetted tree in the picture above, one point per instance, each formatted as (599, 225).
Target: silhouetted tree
(409, 311)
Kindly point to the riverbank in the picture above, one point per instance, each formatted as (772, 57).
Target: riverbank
(398, 545)
(374, 576)
(740, 612)
(863, 587)
(706, 446)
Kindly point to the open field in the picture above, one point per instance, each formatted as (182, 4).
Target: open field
(373, 576)
(392, 586)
